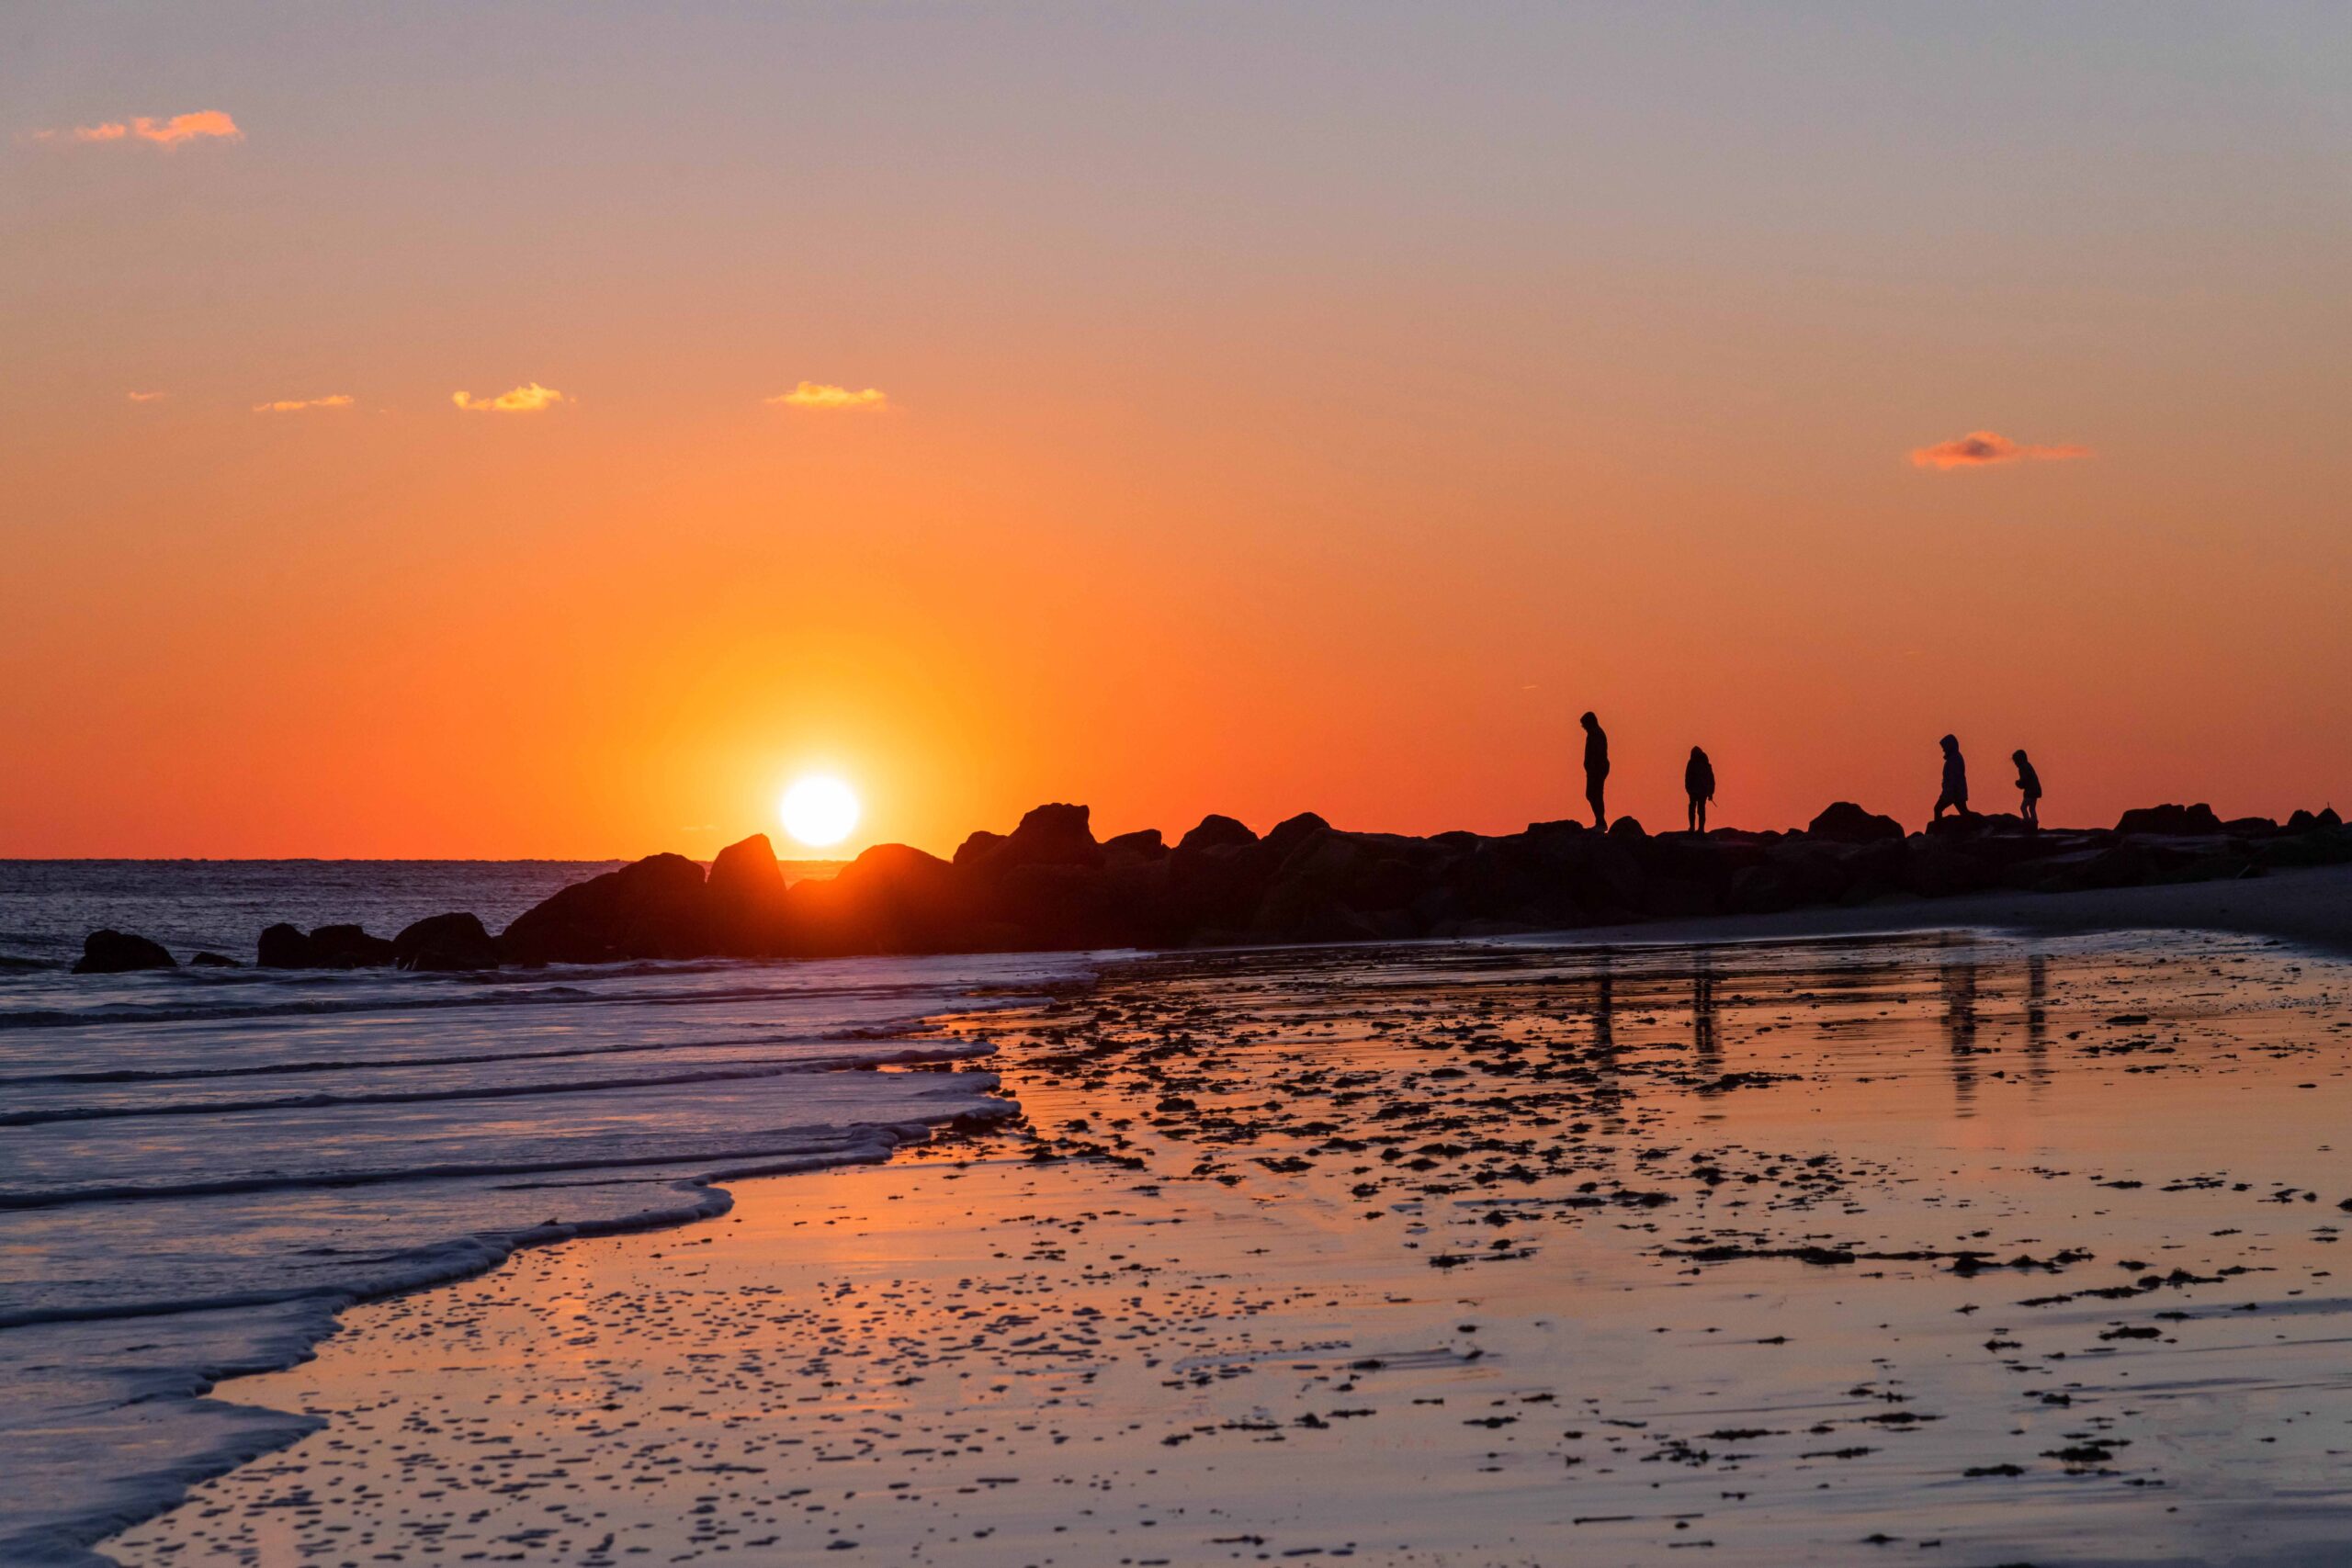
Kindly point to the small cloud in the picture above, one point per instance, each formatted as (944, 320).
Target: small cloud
(202, 125)
(296, 405)
(1983, 448)
(817, 395)
(145, 396)
(522, 399)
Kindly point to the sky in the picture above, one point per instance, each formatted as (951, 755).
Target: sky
(547, 431)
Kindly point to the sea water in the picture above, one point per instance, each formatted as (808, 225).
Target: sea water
(199, 1166)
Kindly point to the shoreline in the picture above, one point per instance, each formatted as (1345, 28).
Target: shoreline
(1102, 1171)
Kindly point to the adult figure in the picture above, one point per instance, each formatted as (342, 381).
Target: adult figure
(2028, 790)
(1699, 784)
(1955, 792)
(1596, 768)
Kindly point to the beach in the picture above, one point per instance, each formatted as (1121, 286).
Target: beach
(1970, 1245)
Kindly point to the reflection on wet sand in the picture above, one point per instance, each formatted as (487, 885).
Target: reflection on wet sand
(1395, 1255)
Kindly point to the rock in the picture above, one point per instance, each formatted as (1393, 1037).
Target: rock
(1143, 844)
(213, 961)
(1627, 828)
(120, 952)
(1215, 832)
(282, 947)
(892, 898)
(2178, 821)
(978, 847)
(444, 944)
(1847, 823)
(1051, 835)
(1289, 833)
(349, 947)
(2250, 828)
(655, 908)
(745, 892)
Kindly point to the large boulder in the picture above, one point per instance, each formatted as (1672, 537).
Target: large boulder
(1052, 835)
(1847, 823)
(350, 947)
(1292, 831)
(2178, 821)
(284, 947)
(111, 952)
(446, 944)
(745, 892)
(892, 898)
(1132, 849)
(1217, 833)
(655, 908)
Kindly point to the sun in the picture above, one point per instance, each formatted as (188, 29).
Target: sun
(818, 810)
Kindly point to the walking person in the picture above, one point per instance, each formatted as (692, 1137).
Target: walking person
(2029, 791)
(1955, 792)
(1699, 784)
(1596, 768)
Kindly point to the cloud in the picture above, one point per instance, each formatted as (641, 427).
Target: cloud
(817, 395)
(145, 396)
(202, 125)
(296, 405)
(522, 399)
(1983, 448)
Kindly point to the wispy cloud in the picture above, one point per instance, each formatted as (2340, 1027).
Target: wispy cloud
(817, 395)
(1983, 448)
(145, 396)
(522, 399)
(296, 405)
(205, 124)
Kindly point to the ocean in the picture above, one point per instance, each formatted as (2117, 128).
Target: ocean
(199, 1166)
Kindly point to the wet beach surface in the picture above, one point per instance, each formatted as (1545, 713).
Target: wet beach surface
(1943, 1248)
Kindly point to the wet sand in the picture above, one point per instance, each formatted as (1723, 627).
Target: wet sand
(1962, 1248)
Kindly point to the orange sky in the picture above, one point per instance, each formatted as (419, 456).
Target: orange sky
(1314, 408)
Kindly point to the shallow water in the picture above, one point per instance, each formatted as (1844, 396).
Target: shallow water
(1951, 1249)
(199, 1168)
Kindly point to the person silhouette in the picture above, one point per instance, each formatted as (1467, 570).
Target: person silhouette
(1699, 784)
(1955, 794)
(2029, 789)
(1596, 768)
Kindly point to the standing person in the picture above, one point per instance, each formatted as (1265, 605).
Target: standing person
(2030, 788)
(1596, 768)
(1699, 784)
(1955, 794)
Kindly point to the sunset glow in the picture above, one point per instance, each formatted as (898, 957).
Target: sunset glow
(818, 810)
(1032, 405)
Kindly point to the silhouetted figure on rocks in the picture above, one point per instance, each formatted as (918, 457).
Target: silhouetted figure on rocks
(1955, 794)
(1596, 768)
(2030, 788)
(1699, 784)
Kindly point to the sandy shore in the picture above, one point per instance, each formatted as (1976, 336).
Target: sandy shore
(1969, 1249)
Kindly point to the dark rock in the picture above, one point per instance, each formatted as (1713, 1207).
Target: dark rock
(1050, 835)
(1627, 828)
(1143, 844)
(745, 893)
(892, 898)
(1289, 833)
(1851, 824)
(282, 947)
(118, 952)
(979, 847)
(213, 961)
(445, 944)
(2178, 821)
(1215, 832)
(655, 908)
(2250, 827)
(349, 947)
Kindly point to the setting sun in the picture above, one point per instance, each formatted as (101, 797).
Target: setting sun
(818, 810)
